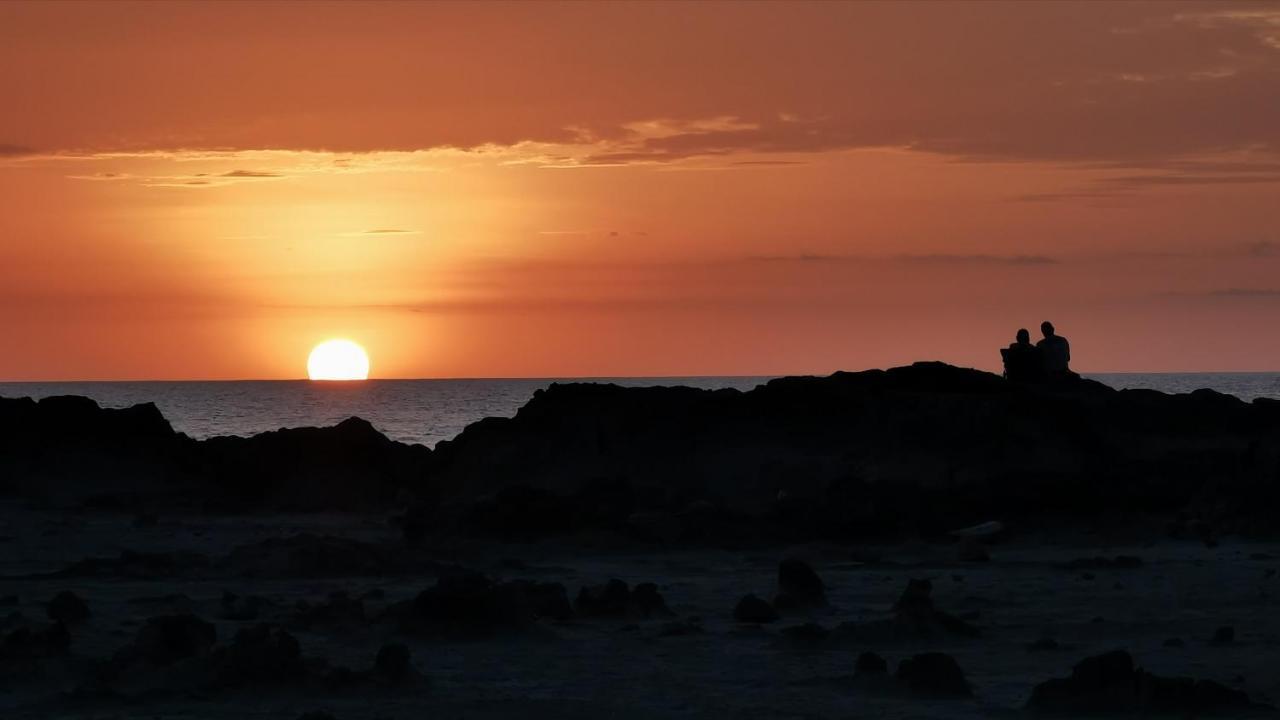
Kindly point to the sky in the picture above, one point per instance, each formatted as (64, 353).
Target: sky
(208, 190)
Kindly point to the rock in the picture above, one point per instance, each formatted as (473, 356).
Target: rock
(752, 609)
(1224, 635)
(870, 664)
(616, 599)
(546, 600)
(1109, 683)
(933, 673)
(971, 550)
(466, 602)
(68, 608)
(799, 586)
(260, 655)
(34, 643)
(166, 639)
(393, 663)
(916, 617)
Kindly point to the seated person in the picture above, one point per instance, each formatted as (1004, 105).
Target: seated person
(1055, 353)
(1022, 360)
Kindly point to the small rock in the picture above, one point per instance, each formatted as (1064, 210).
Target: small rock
(67, 607)
(870, 663)
(934, 674)
(799, 586)
(166, 639)
(1224, 635)
(752, 609)
(394, 663)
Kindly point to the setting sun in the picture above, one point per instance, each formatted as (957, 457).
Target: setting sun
(338, 360)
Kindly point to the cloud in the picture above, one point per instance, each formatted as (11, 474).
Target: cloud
(924, 259)
(949, 78)
(13, 151)
(250, 174)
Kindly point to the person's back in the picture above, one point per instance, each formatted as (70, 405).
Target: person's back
(1022, 361)
(1055, 352)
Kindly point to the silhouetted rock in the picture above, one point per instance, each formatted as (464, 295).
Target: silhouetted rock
(167, 639)
(870, 664)
(546, 600)
(465, 602)
(260, 655)
(68, 608)
(35, 642)
(799, 586)
(752, 609)
(616, 599)
(933, 674)
(1224, 635)
(1109, 683)
(915, 615)
(393, 664)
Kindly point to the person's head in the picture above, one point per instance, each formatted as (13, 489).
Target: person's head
(1046, 327)
(1023, 336)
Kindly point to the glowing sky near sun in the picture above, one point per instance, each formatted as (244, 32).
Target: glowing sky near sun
(208, 190)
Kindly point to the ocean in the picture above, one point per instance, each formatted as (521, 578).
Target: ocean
(428, 411)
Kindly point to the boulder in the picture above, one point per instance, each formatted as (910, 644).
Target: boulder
(68, 608)
(752, 609)
(28, 643)
(1110, 683)
(259, 655)
(933, 673)
(617, 600)
(870, 664)
(167, 639)
(393, 664)
(916, 617)
(799, 586)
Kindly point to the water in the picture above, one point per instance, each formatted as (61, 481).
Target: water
(427, 411)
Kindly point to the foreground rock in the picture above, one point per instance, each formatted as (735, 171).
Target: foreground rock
(923, 449)
(933, 674)
(1111, 684)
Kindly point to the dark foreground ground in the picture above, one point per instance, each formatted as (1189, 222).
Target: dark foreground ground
(1043, 602)
(593, 556)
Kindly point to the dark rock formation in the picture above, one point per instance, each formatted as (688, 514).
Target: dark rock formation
(926, 448)
(752, 609)
(28, 643)
(870, 664)
(933, 674)
(916, 617)
(394, 664)
(615, 599)
(260, 655)
(68, 608)
(799, 586)
(1109, 683)
(467, 603)
(166, 639)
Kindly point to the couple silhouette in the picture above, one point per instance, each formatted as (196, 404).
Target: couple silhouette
(1047, 361)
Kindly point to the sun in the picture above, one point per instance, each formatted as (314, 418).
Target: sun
(338, 360)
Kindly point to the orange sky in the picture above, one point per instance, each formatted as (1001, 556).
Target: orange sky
(208, 190)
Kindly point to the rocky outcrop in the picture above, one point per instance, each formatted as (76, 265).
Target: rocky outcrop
(1111, 684)
(925, 448)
